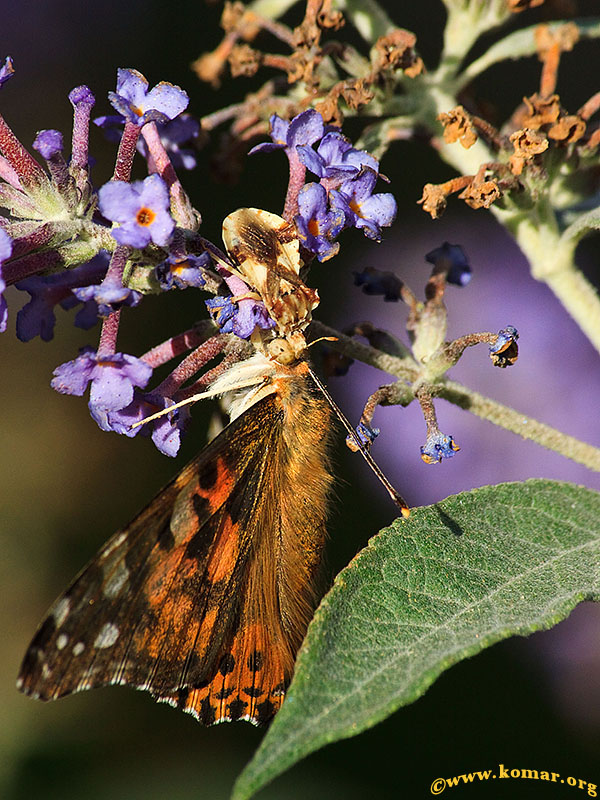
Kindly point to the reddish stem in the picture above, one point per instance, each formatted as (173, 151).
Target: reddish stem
(27, 168)
(179, 344)
(17, 269)
(212, 374)
(180, 204)
(126, 153)
(110, 325)
(296, 182)
(107, 345)
(81, 132)
(190, 365)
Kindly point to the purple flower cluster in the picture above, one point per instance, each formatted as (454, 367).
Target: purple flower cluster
(46, 260)
(344, 196)
(37, 317)
(137, 236)
(240, 318)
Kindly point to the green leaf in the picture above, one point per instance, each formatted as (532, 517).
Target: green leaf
(451, 580)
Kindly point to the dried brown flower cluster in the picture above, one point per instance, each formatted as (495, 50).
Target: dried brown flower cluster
(540, 124)
(336, 78)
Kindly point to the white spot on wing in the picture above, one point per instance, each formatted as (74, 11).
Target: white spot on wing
(108, 635)
(114, 544)
(116, 580)
(61, 641)
(61, 611)
(78, 648)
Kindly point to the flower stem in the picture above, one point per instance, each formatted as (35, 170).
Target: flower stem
(526, 427)
(107, 345)
(31, 175)
(181, 207)
(484, 407)
(126, 153)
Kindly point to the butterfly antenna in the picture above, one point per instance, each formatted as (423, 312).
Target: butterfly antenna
(394, 494)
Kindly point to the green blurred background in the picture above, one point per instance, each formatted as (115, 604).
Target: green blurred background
(65, 485)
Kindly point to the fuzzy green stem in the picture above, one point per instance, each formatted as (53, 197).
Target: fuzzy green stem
(551, 258)
(523, 426)
(368, 17)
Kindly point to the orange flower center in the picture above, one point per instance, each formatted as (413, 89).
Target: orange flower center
(145, 216)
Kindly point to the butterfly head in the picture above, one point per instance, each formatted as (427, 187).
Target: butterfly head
(286, 349)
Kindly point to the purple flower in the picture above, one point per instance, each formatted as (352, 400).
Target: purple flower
(109, 296)
(174, 134)
(48, 143)
(112, 126)
(182, 271)
(336, 158)
(239, 318)
(6, 70)
(316, 224)
(377, 281)
(81, 95)
(362, 208)
(451, 259)
(437, 447)
(37, 317)
(505, 351)
(112, 377)
(306, 128)
(165, 431)
(133, 100)
(5, 252)
(142, 208)
(366, 436)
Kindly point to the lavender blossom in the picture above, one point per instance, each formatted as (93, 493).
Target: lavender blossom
(112, 378)
(142, 208)
(138, 105)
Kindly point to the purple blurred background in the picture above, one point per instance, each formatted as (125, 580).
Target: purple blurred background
(67, 486)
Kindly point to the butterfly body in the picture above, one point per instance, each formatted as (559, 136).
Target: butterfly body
(204, 598)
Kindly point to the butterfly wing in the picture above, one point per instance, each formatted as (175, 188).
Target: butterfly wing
(169, 600)
(266, 253)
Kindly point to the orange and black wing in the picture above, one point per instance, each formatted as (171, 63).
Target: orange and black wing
(181, 602)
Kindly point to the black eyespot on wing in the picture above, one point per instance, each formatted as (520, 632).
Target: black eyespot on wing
(207, 713)
(227, 664)
(264, 712)
(237, 708)
(255, 661)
